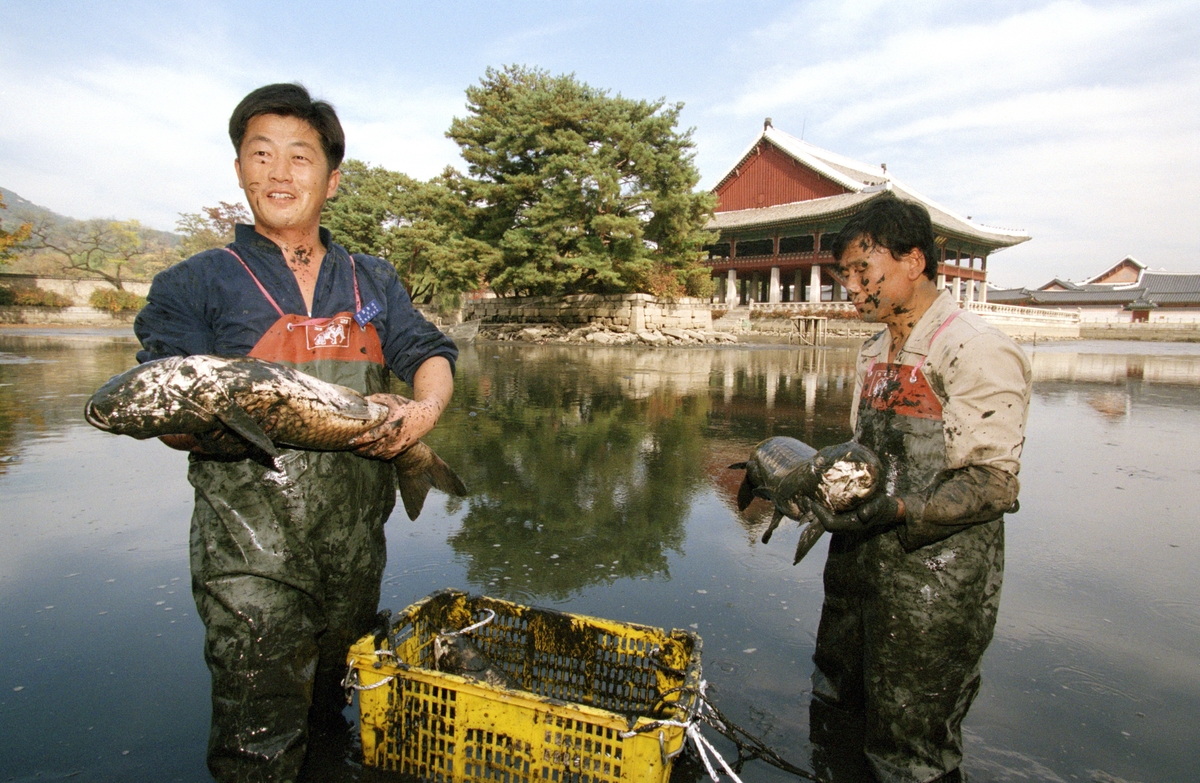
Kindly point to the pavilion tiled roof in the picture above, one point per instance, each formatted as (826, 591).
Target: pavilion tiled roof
(1126, 260)
(864, 181)
(1171, 283)
(1154, 288)
(843, 204)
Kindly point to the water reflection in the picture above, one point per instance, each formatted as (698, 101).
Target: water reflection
(1111, 384)
(615, 460)
(574, 482)
(1077, 367)
(63, 373)
(583, 463)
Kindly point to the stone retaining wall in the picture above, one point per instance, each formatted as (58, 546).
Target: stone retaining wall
(1157, 332)
(69, 316)
(76, 290)
(633, 312)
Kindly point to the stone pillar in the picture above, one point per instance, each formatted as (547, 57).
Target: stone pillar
(799, 283)
(957, 289)
(981, 293)
(773, 297)
(731, 288)
(941, 281)
(814, 284)
(637, 316)
(836, 291)
(969, 295)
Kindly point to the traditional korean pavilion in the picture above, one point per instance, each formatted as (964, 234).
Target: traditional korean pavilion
(782, 203)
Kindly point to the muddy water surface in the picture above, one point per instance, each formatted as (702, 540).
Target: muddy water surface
(599, 485)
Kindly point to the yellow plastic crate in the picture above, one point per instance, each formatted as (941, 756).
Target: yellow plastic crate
(586, 681)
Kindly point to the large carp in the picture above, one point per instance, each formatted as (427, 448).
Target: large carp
(789, 472)
(245, 407)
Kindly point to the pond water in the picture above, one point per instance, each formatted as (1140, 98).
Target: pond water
(600, 485)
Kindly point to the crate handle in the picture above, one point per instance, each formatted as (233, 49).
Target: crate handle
(351, 682)
(491, 615)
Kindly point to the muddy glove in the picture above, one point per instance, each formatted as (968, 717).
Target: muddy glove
(879, 511)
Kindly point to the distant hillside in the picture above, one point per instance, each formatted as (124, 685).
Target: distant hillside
(22, 210)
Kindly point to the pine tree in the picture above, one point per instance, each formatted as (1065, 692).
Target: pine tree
(580, 191)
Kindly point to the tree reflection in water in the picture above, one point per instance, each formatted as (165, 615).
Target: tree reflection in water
(582, 464)
(45, 380)
(573, 481)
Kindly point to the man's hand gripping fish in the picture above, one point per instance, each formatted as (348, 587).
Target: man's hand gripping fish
(791, 474)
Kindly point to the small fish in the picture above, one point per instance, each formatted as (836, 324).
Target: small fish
(244, 407)
(453, 653)
(788, 472)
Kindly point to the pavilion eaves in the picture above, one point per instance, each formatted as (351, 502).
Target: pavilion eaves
(865, 183)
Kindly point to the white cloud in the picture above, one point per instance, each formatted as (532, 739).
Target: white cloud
(119, 139)
(398, 128)
(1078, 122)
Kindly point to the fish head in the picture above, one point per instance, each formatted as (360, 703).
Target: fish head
(138, 401)
(849, 473)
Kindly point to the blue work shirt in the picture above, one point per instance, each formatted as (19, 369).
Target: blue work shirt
(208, 304)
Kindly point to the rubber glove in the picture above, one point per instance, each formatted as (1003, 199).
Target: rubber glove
(879, 511)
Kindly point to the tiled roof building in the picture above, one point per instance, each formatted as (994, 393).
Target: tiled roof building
(1112, 296)
(782, 202)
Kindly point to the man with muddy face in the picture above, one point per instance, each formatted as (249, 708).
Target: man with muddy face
(912, 581)
(886, 287)
(287, 561)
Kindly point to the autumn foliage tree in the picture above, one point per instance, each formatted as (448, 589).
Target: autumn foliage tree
(209, 228)
(581, 191)
(10, 239)
(107, 249)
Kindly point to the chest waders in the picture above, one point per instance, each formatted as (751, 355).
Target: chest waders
(902, 633)
(286, 564)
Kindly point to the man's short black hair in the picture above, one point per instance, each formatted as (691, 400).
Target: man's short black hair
(899, 226)
(291, 100)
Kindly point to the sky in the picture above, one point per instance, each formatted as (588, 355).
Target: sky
(1078, 122)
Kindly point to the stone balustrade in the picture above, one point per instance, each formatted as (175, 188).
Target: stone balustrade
(632, 312)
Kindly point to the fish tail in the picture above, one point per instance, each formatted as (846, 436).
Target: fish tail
(808, 537)
(414, 486)
(413, 489)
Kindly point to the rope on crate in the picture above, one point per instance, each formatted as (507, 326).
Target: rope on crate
(491, 616)
(749, 747)
(350, 682)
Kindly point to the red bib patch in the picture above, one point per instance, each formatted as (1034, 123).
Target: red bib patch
(901, 388)
(335, 333)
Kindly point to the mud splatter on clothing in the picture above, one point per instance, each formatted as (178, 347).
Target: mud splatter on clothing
(909, 611)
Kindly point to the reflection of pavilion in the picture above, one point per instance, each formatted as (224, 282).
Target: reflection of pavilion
(1115, 368)
(781, 204)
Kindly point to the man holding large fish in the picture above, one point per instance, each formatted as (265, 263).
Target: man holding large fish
(912, 580)
(287, 549)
